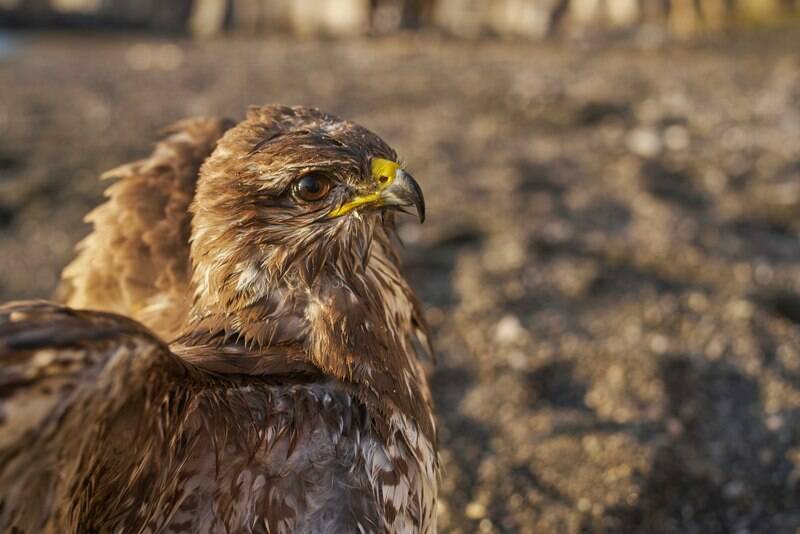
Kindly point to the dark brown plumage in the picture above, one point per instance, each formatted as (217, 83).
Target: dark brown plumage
(291, 397)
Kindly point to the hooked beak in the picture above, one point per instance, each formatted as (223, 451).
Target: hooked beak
(405, 191)
(394, 188)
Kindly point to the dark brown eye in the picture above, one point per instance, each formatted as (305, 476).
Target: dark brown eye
(312, 187)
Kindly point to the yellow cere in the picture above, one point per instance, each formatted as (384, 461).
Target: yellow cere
(383, 172)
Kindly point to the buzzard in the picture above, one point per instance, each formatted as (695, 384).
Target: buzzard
(268, 377)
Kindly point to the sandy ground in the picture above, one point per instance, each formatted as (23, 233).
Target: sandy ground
(611, 262)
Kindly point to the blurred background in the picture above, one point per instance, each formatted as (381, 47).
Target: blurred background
(611, 262)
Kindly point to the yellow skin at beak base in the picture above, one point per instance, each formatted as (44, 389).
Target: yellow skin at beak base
(383, 172)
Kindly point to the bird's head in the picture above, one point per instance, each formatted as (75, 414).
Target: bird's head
(293, 241)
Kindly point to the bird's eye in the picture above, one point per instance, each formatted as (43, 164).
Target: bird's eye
(312, 187)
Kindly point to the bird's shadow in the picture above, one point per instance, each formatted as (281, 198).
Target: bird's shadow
(723, 466)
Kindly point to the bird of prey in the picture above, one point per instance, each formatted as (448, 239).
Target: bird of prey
(285, 392)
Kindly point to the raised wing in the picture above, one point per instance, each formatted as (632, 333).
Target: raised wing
(136, 260)
(78, 392)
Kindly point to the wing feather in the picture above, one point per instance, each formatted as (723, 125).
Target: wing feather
(68, 380)
(136, 260)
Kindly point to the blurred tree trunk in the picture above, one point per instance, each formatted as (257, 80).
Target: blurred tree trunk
(302, 17)
(759, 9)
(683, 18)
(246, 15)
(392, 15)
(261, 15)
(330, 17)
(170, 16)
(208, 17)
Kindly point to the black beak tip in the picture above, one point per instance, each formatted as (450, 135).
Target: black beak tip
(418, 198)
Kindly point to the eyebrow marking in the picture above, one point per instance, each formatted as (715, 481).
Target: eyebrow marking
(264, 142)
(304, 132)
(332, 140)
